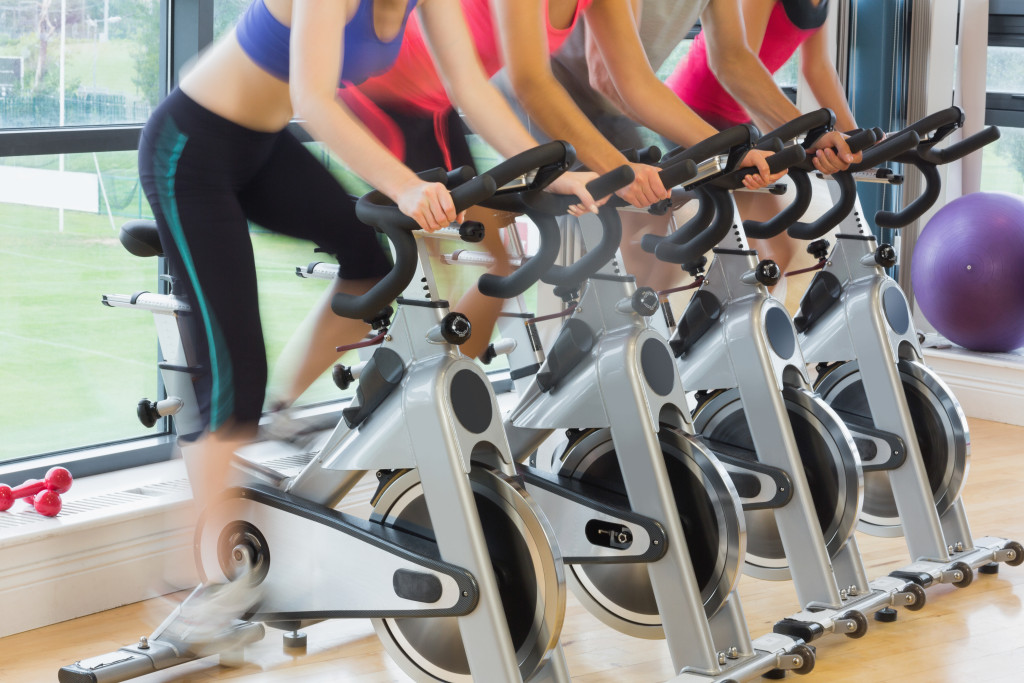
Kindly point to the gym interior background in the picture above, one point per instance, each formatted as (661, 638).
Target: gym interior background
(78, 79)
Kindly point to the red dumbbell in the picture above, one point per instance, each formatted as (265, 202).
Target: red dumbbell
(58, 480)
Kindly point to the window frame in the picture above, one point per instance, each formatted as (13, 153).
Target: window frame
(1005, 29)
(186, 26)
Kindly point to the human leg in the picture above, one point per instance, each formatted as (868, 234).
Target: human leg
(319, 210)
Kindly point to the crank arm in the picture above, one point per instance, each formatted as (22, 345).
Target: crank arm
(593, 525)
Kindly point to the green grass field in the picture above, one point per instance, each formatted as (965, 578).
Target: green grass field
(72, 370)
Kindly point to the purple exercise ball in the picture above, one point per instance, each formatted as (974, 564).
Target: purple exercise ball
(968, 271)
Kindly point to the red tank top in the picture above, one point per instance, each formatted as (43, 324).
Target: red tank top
(412, 82)
(696, 85)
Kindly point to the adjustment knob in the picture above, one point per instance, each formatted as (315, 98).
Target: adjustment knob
(456, 329)
(696, 268)
(885, 256)
(645, 301)
(818, 249)
(768, 273)
(342, 376)
(471, 231)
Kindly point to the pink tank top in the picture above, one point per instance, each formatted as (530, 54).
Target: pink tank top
(696, 85)
(412, 82)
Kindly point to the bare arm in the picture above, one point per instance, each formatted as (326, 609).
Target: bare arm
(653, 103)
(821, 77)
(733, 41)
(452, 49)
(523, 34)
(316, 54)
(600, 79)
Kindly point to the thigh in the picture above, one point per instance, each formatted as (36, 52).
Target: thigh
(295, 195)
(206, 241)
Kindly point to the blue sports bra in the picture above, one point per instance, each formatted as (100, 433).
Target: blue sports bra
(266, 41)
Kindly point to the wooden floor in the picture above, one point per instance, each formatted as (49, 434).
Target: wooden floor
(970, 635)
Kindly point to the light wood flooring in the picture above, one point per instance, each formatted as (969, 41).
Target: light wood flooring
(970, 635)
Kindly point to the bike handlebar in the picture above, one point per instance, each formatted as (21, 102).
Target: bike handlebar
(377, 210)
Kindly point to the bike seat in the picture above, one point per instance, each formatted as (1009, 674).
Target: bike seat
(141, 238)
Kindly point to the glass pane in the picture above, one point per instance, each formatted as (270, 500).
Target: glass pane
(1005, 70)
(225, 14)
(97, 66)
(73, 370)
(788, 74)
(1002, 165)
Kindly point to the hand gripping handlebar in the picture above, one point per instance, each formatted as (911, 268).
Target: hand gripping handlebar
(789, 217)
(734, 142)
(693, 249)
(377, 210)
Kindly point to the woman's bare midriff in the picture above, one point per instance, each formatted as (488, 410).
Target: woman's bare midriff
(251, 97)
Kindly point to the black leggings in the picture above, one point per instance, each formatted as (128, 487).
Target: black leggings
(205, 178)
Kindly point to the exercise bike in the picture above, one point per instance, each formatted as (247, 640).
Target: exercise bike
(855, 325)
(610, 380)
(736, 346)
(456, 568)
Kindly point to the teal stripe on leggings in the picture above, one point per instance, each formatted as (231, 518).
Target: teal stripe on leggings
(170, 146)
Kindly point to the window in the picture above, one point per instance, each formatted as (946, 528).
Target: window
(1003, 161)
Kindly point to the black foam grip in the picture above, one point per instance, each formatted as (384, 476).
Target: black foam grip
(951, 117)
(920, 205)
(735, 139)
(958, 150)
(789, 215)
(599, 187)
(591, 262)
(556, 152)
(887, 150)
(687, 231)
(693, 249)
(835, 214)
(376, 209)
(508, 286)
(646, 155)
(818, 121)
(861, 140)
(780, 161)
(677, 172)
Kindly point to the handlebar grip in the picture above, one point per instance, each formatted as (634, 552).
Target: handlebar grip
(700, 222)
(677, 173)
(591, 262)
(887, 150)
(861, 140)
(689, 252)
(393, 223)
(777, 162)
(647, 155)
(951, 116)
(819, 121)
(835, 214)
(508, 286)
(602, 186)
(788, 217)
(858, 142)
(555, 152)
(918, 207)
(958, 150)
(724, 142)
(610, 182)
